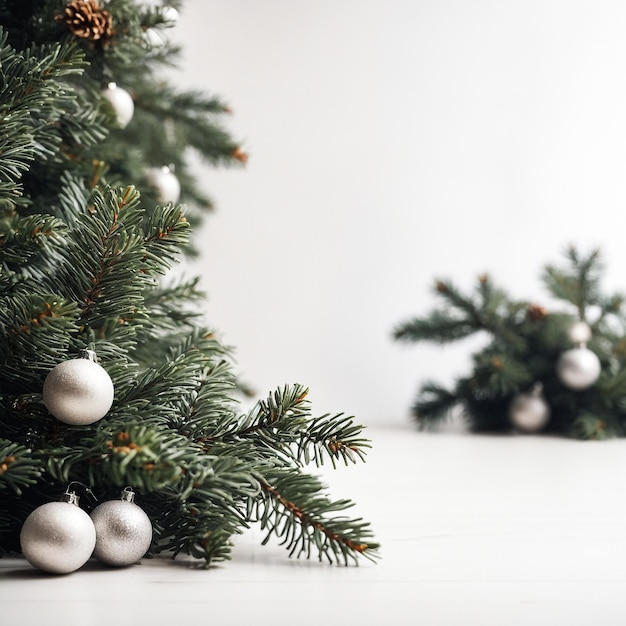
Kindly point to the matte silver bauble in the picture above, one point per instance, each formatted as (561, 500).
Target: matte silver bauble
(78, 391)
(529, 412)
(123, 531)
(165, 183)
(121, 102)
(58, 537)
(578, 368)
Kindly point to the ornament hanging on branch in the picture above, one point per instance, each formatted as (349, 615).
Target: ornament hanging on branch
(78, 391)
(58, 537)
(121, 103)
(528, 342)
(123, 530)
(164, 182)
(529, 412)
(579, 367)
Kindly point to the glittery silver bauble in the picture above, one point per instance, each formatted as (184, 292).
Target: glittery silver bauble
(165, 183)
(529, 412)
(121, 102)
(58, 537)
(78, 391)
(123, 531)
(578, 368)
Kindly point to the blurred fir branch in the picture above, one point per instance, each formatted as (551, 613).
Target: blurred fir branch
(524, 343)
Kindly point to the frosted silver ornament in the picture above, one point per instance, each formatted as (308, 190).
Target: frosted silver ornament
(121, 102)
(529, 411)
(58, 537)
(78, 391)
(123, 531)
(164, 182)
(578, 368)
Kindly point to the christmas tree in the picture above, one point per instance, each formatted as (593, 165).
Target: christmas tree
(558, 369)
(109, 379)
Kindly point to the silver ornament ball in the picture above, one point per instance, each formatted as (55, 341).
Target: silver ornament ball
(58, 537)
(165, 183)
(78, 391)
(579, 333)
(578, 368)
(121, 102)
(529, 412)
(123, 531)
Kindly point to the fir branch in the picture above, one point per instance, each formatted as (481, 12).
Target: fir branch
(286, 409)
(578, 283)
(500, 373)
(204, 510)
(294, 511)
(33, 100)
(139, 454)
(18, 468)
(166, 232)
(460, 316)
(74, 198)
(433, 405)
(110, 282)
(23, 238)
(589, 425)
(169, 304)
(283, 423)
(337, 437)
(192, 118)
(438, 326)
(35, 331)
(210, 407)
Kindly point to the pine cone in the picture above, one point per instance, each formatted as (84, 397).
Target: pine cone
(536, 313)
(87, 20)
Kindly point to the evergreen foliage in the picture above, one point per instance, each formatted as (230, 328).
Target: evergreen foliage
(83, 256)
(523, 342)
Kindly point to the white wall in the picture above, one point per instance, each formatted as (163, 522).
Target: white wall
(393, 141)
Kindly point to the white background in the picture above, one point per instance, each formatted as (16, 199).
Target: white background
(392, 142)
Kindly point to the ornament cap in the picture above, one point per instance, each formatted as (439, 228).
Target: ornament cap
(128, 495)
(71, 497)
(88, 354)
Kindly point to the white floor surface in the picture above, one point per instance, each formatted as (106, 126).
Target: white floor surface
(475, 530)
